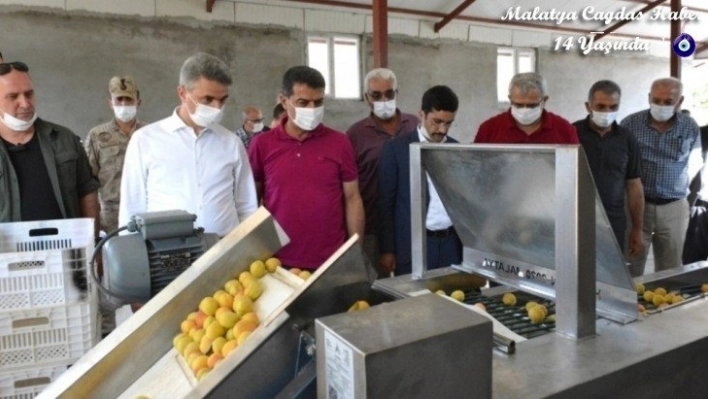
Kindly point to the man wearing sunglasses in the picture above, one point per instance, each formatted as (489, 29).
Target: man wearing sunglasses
(44, 172)
(526, 121)
(384, 122)
(252, 125)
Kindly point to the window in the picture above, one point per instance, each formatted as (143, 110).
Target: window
(337, 58)
(511, 61)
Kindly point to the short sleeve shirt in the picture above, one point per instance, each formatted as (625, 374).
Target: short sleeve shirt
(302, 187)
(368, 138)
(614, 159)
(664, 155)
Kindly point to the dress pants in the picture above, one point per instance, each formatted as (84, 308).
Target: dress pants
(442, 252)
(665, 231)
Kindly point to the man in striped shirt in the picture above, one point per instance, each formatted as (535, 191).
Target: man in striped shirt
(670, 149)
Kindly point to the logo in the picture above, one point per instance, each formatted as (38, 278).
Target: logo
(684, 45)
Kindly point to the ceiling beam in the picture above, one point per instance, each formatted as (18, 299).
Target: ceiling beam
(667, 5)
(622, 23)
(489, 21)
(675, 60)
(449, 17)
(380, 12)
(210, 5)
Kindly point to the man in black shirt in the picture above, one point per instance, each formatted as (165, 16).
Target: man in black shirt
(44, 172)
(613, 155)
(696, 246)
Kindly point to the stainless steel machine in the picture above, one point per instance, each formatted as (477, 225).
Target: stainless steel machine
(277, 360)
(138, 358)
(377, 353)
(530, 219)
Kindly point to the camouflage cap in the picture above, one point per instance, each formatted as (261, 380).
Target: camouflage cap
(123, 86)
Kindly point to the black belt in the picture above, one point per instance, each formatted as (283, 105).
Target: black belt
(440, 233)
(661, 201)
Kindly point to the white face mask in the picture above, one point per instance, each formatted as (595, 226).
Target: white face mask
(526, 116)
(662, 113)
(125, 113)
(603, 119)
(257, 127)
(385, 109)
(15, 124)
(308, 119)
(205, 115)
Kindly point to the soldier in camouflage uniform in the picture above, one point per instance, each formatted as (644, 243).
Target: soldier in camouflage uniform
(106, 145)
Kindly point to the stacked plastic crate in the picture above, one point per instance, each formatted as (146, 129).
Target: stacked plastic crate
(48, 303)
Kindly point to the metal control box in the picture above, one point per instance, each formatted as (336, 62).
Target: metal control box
(420, 347)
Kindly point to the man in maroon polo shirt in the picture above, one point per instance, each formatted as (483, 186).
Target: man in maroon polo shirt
(306, 174)
(384, 122)
(526, 121)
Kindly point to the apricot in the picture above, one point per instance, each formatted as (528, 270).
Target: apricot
(272, 264)
(458, 295)
(640, 289)
(536, 315)
(509, 299)
(258, 269)
(208, 306)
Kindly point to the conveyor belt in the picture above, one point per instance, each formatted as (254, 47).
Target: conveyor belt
(687, 292)
(515, 317)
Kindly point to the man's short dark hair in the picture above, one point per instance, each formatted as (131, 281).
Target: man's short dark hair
(439, 98)
(302, 74)
(606, 86)
(278, 111)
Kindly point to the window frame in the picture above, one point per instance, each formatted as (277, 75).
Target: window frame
(515, 53)
(331, 38)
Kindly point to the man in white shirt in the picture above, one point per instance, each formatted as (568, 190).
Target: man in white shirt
(189, 161)
(438, 110)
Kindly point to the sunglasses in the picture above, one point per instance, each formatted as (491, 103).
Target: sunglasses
(6, 67)
(377, 95)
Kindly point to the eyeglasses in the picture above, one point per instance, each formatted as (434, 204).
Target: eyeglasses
(377, 95)
(535, 105)
(6, 67)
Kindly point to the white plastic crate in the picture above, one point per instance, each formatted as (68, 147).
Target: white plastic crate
(26, 384)
(42, 336)
(45, 263)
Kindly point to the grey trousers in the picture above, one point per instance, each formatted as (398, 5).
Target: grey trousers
(665, 231)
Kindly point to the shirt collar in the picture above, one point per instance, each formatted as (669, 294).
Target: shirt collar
(423, 136)
(175, 123)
